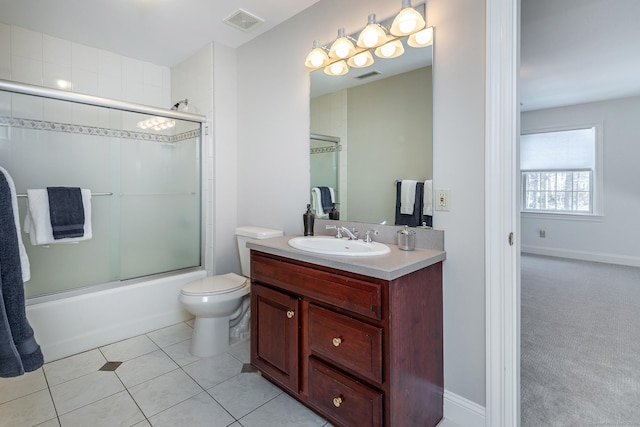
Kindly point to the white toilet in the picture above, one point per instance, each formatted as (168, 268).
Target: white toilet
(219, 302)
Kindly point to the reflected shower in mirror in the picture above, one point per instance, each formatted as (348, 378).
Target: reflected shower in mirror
(379, 120)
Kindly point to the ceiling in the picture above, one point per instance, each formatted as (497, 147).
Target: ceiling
(163, 32)
(577, 51)
(573, 51)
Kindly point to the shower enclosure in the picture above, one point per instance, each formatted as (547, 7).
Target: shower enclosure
(143, 166)
(325, 163)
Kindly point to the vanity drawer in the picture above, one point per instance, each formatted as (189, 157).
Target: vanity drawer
(343, 399)
(358, 296)
(350, 343)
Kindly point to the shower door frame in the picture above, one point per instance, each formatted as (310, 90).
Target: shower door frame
(96, 101)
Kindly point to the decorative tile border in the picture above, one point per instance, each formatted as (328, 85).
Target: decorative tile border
(326, 149)
(96, 131)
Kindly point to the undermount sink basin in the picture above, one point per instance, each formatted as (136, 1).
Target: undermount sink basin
(328, 245)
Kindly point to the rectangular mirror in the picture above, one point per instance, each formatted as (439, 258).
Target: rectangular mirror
(371, 128)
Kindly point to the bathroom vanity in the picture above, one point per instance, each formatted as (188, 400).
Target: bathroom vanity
(357, 340)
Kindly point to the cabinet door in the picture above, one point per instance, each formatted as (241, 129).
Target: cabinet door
(275, 335)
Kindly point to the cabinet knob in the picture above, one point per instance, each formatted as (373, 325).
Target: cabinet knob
(337, 401)
(290, 314)
(337, 341)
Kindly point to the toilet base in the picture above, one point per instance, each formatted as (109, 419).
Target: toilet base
(210, 336)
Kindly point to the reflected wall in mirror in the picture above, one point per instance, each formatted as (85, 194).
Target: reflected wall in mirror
(382, 117)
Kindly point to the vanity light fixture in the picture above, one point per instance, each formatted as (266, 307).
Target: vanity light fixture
(408, 21)
(343, 47)
(318, 57)
(422, 38)
(373, 34)
(374, 38)
(339, 68)
(389, 50)
(361, 60)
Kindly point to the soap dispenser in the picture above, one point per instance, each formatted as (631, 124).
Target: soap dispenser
(307, 219)
(334, 213)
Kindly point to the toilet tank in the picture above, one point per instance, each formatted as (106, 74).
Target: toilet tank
(246, 233)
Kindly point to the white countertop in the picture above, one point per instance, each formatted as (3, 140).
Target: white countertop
(395, 264)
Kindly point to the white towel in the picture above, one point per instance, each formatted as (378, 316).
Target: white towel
(24, 259)
(407, 196)
(428, 198)
(37, 222)
(316, 202)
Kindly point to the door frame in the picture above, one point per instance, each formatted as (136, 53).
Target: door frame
(502, 259)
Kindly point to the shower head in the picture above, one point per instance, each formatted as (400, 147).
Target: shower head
(177, 104)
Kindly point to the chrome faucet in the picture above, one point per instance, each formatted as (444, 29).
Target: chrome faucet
(333, 227)
(351, 234)
(367, 237)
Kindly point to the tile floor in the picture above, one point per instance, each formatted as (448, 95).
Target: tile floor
(159, 383)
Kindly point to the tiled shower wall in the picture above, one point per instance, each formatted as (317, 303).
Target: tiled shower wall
(39, 59)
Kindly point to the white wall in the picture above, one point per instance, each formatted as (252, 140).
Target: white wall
(273, 151)
(612, 237)
(35, 58)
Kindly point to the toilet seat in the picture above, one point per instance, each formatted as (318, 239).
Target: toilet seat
(212, 285)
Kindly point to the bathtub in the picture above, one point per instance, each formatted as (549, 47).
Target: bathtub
(68, 326)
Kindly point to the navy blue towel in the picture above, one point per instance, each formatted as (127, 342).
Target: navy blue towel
(325, 199)
(19, 351)
(66, 212)
(416, 218)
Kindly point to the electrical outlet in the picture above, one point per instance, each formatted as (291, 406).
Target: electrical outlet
(543, 234)
(442, 199)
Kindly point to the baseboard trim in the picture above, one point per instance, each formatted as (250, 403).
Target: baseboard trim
(463, 412)
(583, 255)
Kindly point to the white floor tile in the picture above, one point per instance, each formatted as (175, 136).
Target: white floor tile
(29, 410)
(171, 335)
(241, 351)
(283, 411)
(163, 392)
(199, 411)
(82, 391)
(180, 353)
(128, 349)
(51, 423)
(116, 410)
(12, 388)
(214, 370)
(244, 393)
(144, 368)
(73, 367)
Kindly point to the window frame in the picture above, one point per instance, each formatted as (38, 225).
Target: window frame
(596, 182)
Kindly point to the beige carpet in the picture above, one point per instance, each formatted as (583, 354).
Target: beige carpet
(580, 343)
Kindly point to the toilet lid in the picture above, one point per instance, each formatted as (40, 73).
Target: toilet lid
(214, 284)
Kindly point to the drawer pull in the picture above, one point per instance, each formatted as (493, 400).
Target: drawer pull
(337, 341)
(290, 314)
(337, 401)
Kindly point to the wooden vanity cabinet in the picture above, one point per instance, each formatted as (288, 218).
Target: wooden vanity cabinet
(358, 350)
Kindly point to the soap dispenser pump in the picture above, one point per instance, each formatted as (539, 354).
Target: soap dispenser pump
(307, 219)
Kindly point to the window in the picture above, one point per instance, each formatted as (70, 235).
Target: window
(559, 170)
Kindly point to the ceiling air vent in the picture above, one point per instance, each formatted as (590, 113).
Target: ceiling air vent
(367, 75)
(243, 20)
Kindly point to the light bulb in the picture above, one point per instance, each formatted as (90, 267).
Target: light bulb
(360, 60)
(316, 59)
(388, 49)
(336, 68)
(373, 34)
(342, 47)
(408, 26)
